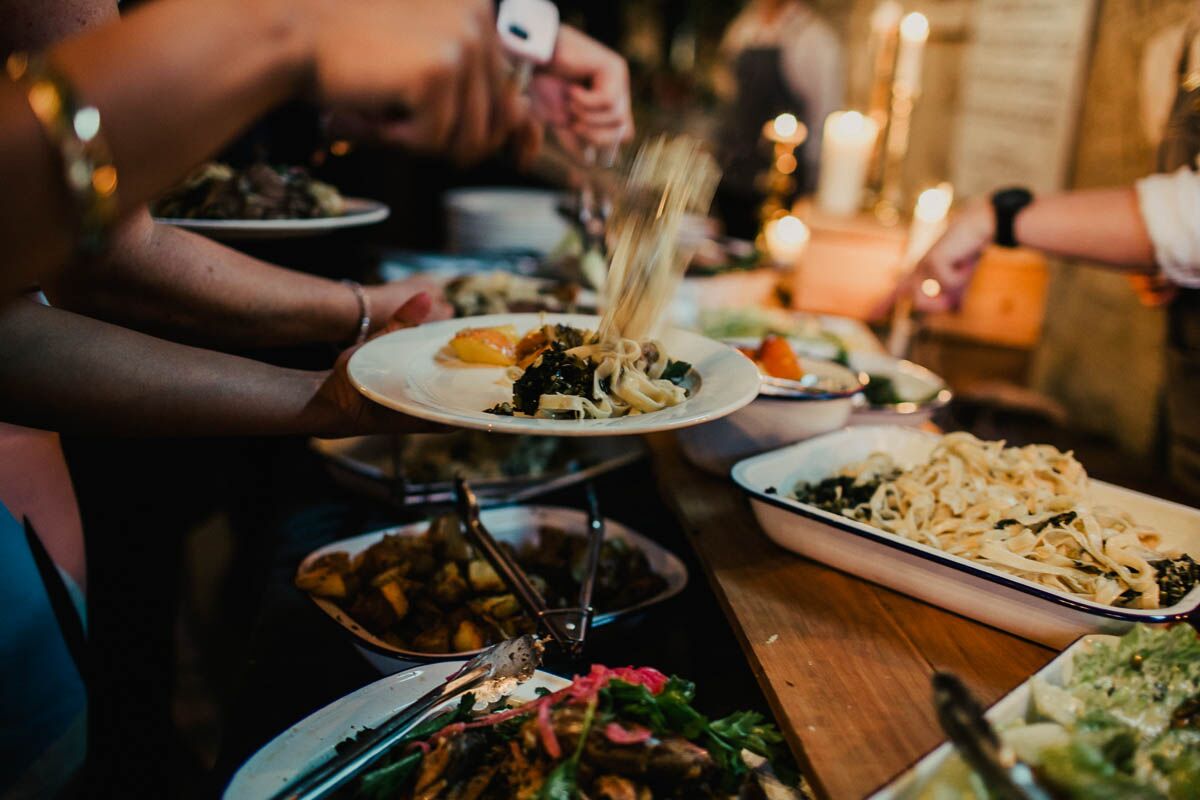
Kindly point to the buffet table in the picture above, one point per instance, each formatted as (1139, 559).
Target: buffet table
(844, 664)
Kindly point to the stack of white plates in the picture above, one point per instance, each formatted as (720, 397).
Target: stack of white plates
(504, 219)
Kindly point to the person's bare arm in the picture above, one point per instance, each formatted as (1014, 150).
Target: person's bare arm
(178, 78)
(1103, 226)
(64, 372)
(169, 282)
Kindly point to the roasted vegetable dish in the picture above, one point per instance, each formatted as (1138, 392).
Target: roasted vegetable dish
(434, 594)
(258, 192)
(613, 734)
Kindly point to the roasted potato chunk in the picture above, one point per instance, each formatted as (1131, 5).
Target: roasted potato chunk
(468, 636)
(323, 582)
(394, 595)
(448, 584)
(483, 578)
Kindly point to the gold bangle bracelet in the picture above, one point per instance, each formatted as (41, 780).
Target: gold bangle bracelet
(74, 130)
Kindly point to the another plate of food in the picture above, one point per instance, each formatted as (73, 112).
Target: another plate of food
(420, 592)
(552, 375)
(1109, 717)
(800, 397)
(261, 201)
(642, 736)
(896, 390)
(421, 468)
(1017, 537)
(818, 335)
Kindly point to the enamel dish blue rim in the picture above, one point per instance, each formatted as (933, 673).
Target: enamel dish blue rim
(1179, 612)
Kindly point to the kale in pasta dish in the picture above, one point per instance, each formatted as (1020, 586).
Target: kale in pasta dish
(560, 372)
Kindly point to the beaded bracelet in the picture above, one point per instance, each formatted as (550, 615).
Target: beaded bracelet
(74, 129)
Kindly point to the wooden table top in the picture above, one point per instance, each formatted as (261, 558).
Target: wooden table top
(845, 664)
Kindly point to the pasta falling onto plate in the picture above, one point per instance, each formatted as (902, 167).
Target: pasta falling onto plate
(621, 368)
(1022, 510)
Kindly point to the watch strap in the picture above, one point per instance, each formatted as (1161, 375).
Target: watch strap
(1006, 204)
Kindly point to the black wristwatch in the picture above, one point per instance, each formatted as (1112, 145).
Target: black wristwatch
(1007, 203)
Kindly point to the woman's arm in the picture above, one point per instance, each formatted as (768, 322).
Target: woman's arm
(1104, 226)
(176, 284)
(69, 373)
(178, 78)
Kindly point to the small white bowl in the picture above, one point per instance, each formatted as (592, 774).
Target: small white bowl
(921, 391)
(772, 422)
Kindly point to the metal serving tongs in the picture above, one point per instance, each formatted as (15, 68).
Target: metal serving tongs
(961, 717)
(509, 662)
(566, 626)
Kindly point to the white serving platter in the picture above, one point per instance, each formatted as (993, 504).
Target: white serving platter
(957, 584)
(359, 211)
(515, 525)
(923, 778)
(311, 741)
(411, 371)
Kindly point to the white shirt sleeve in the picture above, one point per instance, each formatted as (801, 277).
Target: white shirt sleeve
(1170, 206)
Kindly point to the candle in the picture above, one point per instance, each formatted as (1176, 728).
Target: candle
(786, 238)
(928, 222)
(845, 156)
(786, 130)
(914, 30)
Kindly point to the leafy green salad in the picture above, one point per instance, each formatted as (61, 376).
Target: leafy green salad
(1124, 723)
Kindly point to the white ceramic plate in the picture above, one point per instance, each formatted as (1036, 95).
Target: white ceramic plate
(965, 587)
(919, 780)
(358, 212)
(311, 741)
(515, 525)
(411, 371)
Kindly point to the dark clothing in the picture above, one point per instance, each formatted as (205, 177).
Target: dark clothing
(762, 94)
(1179, 148)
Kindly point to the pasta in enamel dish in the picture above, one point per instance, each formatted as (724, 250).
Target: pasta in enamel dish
(1022, 510)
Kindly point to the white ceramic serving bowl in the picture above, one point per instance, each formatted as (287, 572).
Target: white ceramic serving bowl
(771, 422)
(311, 741)
(738, 288)
(1013, 707)
(921, 391)
(515, 525)
(504, 218)
(957, 584)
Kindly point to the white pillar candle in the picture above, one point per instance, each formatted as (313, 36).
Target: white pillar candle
(845, 156)
(786, 238)
(914, 31)
(928, 222)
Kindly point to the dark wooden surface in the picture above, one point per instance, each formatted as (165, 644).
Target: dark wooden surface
(844, 664)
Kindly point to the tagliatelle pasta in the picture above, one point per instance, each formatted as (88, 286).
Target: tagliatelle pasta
(1022, 510)
(621, 368)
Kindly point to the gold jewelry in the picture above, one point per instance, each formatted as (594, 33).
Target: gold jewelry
(74, 129)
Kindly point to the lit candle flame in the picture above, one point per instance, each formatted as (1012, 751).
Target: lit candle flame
(914, 27)
(786, 126)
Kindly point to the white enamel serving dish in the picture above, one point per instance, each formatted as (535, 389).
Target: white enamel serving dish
(515, 525)
(772, 421)
(957, 584)
(311, 741)
(412, 371)
(939, 767)
(358, 212)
